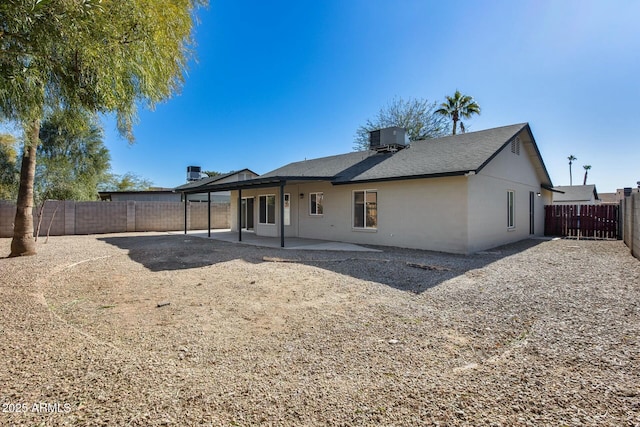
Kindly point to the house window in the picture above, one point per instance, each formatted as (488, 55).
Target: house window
(365, 209)
(315, 203)
(267, 209)
(511, 209)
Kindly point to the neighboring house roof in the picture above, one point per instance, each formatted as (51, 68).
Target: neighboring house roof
(108, 195)
(210, 180)
(609, 198)
(575, 193)
(450, 155)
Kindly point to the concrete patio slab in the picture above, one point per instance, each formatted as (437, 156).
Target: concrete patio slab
(249, 238)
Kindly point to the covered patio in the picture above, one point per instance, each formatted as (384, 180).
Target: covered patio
(278, 182)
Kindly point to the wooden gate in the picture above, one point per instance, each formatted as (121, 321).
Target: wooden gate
(596, 221)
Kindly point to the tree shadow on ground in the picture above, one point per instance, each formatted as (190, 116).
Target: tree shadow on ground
(404, 269)
(411, 269)
(176, 252)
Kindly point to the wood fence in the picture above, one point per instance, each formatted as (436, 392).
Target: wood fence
(595, 221)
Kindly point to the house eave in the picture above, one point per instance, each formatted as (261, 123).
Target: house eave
(404, 177)
(265, 182)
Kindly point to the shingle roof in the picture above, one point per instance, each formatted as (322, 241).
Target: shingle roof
(327, 167)
(454, 154)
(450, 155)
(206, 181)
(575, 193)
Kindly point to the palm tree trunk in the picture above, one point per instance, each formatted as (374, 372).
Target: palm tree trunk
(570, 177)
(455, 119)
(585, 178)
(23, 242)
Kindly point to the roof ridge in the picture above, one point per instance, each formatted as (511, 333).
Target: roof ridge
(519, 125)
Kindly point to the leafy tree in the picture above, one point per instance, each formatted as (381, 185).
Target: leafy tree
(457, 107)
(212, 173)
(99, 56)
(417, 116)
(571, 158)
(586, 170)
(127, 182)
(71, 159)
(9, 173)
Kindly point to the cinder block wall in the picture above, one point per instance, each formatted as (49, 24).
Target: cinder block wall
(7, 215)
(69, 217)
(53, 218)
(101, 217)
(159, 216)
(625, 212)
(220, 216)
(635, 228)
(630, 208)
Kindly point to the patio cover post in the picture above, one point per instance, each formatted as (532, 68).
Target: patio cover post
(239, 214)
(209, 213)
(282, 214)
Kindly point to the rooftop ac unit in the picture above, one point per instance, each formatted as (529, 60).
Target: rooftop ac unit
(388, 139)
(193, 173)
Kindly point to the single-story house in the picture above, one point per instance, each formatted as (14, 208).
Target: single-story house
(461, 193)
(218, 196)
(575, 195)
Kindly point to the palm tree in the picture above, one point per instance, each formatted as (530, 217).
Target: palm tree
(571, 159)
(586, 170)
(458, 106)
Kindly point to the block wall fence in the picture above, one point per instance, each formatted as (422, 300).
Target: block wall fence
(630, 211)
(70, 217)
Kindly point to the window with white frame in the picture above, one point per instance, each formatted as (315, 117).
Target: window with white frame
(267, 209)
(315, 203)
(365, 209)
(511, 209)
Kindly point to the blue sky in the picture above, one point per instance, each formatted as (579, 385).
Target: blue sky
(280, 81)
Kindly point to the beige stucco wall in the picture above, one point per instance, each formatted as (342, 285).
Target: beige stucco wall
(422, 213)
(488, 200)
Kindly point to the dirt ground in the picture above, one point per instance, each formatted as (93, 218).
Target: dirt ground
(153, 329)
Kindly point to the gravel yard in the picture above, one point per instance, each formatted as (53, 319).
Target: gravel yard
(153, 329)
